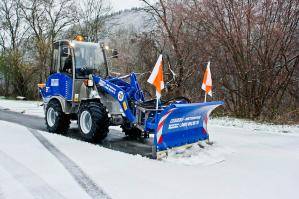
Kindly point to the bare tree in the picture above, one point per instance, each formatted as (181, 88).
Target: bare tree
(13, 35)
(91, 17)
(47, 19)
(258, 51)
(13, 30)
(28, 30)
(253, 46)
(179, 43)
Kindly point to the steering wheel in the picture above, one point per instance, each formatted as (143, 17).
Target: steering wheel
(83, 69)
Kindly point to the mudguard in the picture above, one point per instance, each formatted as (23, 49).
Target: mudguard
(182, 124)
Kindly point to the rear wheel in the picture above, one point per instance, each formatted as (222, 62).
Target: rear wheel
(93, 121)
(56, 120)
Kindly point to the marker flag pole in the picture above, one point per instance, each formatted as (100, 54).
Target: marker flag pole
(207, 82)
(156, 78)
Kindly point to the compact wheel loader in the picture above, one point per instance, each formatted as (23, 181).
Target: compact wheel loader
(81, 88)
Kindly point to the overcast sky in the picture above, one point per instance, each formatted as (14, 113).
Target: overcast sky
(124, 4)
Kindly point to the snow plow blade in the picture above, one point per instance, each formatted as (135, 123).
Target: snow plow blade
(182, 125)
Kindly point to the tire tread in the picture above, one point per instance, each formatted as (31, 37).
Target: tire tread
(63, 120)
(100, 121)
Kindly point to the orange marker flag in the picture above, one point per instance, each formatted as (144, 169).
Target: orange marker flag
(207, 82)
(156, 77)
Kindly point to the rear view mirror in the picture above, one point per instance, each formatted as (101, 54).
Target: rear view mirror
(65, 52)
(114, 53)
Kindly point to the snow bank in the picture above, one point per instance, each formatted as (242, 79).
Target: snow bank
(25, 107)
(254, 126)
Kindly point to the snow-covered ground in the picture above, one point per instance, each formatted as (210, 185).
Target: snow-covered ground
(247, 160)
(35, 108)
(25, 107)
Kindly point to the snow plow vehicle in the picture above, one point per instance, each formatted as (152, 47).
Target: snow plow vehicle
(81, 88)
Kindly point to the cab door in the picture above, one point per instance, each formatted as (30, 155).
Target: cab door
(60, 82)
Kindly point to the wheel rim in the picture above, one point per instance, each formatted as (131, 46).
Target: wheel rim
(85, 122)
(51, 117)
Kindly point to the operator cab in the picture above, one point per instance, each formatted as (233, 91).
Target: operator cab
(74, 61)
(79, 59)
(75, 64)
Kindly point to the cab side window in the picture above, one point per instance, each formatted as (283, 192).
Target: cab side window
(55, 62)
(65, 60)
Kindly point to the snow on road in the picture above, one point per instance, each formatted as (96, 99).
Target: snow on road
(247, 160)
(241, 164)
(28, 170)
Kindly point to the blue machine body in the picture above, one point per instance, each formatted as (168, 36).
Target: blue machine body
(123, 92)
(58, 84)
(174, 125)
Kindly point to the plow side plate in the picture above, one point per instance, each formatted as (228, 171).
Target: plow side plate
(183, 124)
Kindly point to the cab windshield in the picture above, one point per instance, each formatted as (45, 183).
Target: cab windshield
(88, 59)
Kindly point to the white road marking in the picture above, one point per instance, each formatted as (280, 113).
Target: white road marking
(91, 188)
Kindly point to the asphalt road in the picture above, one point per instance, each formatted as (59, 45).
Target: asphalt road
(115, 140)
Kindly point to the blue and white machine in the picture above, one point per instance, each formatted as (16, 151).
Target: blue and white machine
(80, 88)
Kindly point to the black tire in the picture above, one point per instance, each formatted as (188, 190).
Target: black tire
(131, 132)
(61, 122)
(99, 126)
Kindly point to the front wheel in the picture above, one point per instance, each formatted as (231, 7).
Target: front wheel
(93, 121)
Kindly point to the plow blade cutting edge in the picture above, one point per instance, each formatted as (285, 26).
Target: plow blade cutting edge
(181, 125)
